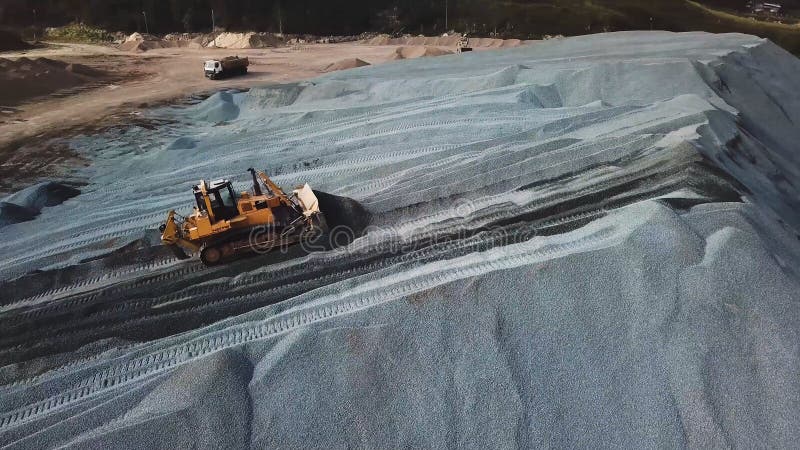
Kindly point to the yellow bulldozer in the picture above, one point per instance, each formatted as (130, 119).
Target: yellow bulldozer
(224, 224)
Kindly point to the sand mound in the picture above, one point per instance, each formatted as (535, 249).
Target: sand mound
(138, 42)
(11, 213)
(41, 195)
(350, 63)
(443, 41)
(135, 37)
(245, 40)
(133, 46)
(27, 78)
(10, 41)
(143, 46)
(27, 203)
(511, 43)
(139, 37)
(418, 52)
(220, 107)
(378, 40)
(189, 40)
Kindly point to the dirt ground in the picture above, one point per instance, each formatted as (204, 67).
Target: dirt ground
(30, 132)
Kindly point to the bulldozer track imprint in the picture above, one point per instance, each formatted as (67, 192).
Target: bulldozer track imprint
(423, 180)
(120, 375)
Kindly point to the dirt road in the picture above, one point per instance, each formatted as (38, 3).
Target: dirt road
(30, 133)
(163, 75)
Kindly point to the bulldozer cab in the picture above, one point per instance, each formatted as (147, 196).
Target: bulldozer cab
(221, 198)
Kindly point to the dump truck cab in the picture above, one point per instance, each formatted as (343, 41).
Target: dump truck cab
(227, 66)
(212, 68)
(463, 44)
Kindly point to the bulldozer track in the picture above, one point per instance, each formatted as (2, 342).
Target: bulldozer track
(41, 254)
(368, 118)
(116, 376)
(399, 155)
(76, 290)
(583, 217)
(80, 238)
(108, 277)
(111, 311)
(256, 282)
(66, 290)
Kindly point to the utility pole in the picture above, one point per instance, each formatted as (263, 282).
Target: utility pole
(280, 20)
(446, 28)
(146, 28)
(213, 25)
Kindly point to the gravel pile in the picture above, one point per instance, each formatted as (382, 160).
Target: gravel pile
(585, 242)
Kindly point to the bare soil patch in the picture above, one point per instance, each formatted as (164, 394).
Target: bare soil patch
(24, 78)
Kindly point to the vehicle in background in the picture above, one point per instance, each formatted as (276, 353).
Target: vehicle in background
(463, 44)
(225, 67)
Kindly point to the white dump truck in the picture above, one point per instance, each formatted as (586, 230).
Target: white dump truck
(226, 67)
(463, 44)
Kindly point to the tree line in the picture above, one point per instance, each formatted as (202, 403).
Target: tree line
(290, 16)
(508, 18)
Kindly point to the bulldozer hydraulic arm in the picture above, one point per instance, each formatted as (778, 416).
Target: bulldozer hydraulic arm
(275, 189)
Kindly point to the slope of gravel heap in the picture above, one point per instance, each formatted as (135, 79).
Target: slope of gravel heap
(27, 203)
(579, 243)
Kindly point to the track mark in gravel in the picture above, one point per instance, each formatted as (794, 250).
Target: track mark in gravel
(100, 314)
(541, 182)
(368, 295)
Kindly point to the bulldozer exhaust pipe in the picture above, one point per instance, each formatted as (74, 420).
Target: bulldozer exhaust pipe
(256, 186)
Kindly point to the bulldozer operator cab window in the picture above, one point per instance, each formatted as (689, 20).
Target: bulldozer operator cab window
(226, 196)
(201, 204)
(222, 199)
(223, 202)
